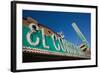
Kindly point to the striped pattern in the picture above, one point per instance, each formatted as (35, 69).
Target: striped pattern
(40, 52)
(83, 47)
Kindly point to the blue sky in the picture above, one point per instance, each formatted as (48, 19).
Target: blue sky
(62, 22)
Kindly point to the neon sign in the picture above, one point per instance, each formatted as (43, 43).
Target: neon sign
(36, 37)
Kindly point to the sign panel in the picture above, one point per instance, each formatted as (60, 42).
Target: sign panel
(43, 39)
